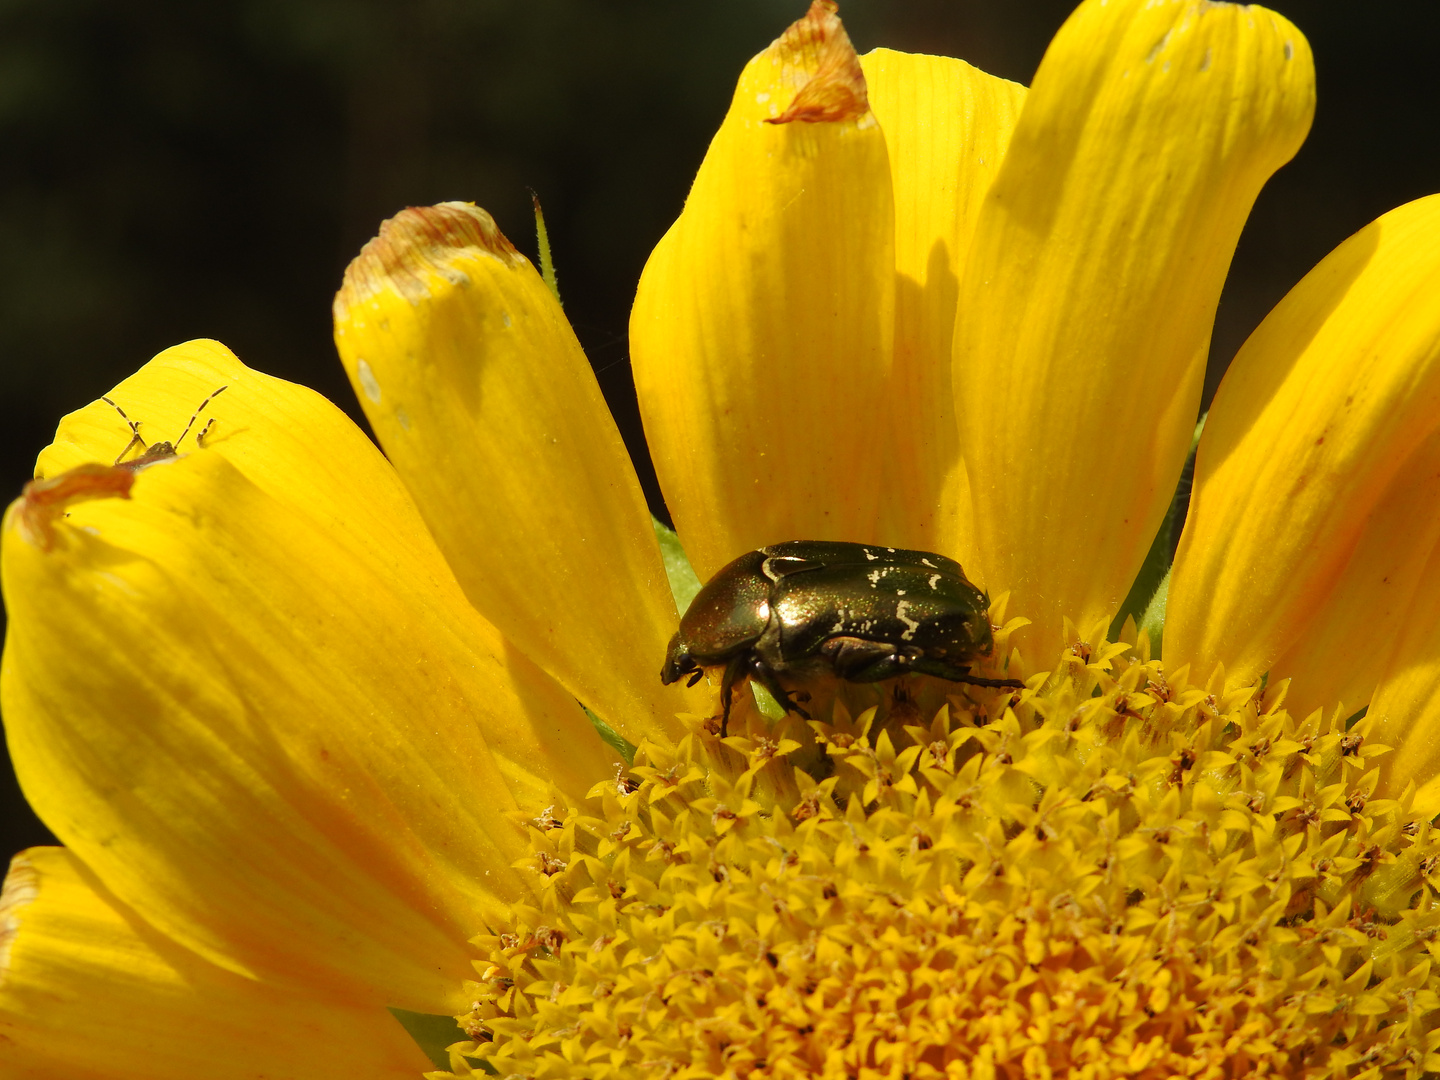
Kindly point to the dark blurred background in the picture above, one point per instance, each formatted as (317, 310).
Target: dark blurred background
(172, 169)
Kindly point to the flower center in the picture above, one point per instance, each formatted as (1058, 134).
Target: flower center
(1108, 873)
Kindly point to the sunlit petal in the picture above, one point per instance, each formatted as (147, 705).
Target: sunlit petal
(1092, 280)
(1318, 475)
(252, 698)
(481, 396)
(1405, 711)
(761, 333)
(88, 989)
(947, 126)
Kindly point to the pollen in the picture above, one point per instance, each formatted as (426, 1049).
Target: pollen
(1104, 874)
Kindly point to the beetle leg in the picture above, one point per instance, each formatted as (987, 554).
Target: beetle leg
(858, 660)
(734, 671)
(762, 671)
(925, 665)
(976, 680)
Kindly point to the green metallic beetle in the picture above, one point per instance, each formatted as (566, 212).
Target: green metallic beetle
(859, 612)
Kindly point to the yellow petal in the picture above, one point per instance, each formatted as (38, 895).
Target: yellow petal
(1405, 711)
(485, 403)
(947, 126)
(252, 698)
(88, 989)
(761, 333)
(307, 440)
(1092, 280)
(1316, 480)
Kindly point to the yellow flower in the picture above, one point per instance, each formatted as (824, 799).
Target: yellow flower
(310, 727)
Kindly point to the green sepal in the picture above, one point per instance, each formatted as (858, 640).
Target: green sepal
(431, 1033)
(1152, 622)
(683, 582)
(765, 702)
(542, 241)
(1147, 596)
(612, 738)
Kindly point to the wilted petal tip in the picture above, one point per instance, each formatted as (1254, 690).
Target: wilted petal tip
(816, 53)
(44, 501)
(19, 892)
(416, 244)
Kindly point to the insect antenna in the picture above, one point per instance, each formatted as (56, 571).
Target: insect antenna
(205, 430)
(135, 436)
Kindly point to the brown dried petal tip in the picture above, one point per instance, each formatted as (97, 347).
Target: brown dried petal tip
(44, 502)
(818, 46)
(414, 245)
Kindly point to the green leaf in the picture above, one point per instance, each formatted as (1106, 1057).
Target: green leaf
(1152, 622)
(431, 1033)
(612, 738)
(542, 240)
(1147, 596)
(683, 582)
(765, 701)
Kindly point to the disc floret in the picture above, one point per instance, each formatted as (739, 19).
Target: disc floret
(1106, 871)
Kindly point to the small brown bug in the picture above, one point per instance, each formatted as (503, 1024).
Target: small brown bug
(43, 502)
(160, 451)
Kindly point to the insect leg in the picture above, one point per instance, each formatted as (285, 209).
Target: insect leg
(134, 430)
(734, 670)
(761, 670)
(976, 680)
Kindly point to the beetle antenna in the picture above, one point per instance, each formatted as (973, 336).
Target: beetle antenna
(199, 438)
(133, 425)
(134, 430)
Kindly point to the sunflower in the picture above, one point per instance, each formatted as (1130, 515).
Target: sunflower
(335, 741)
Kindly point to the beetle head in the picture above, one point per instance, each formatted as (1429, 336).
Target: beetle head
(679, 663)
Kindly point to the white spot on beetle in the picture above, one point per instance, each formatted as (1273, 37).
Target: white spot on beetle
(927, 562)
(368, 382)
(934, 581)
(870, 555)
(838, 627)
(911, 625)
(874, 577)
(899, 592)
